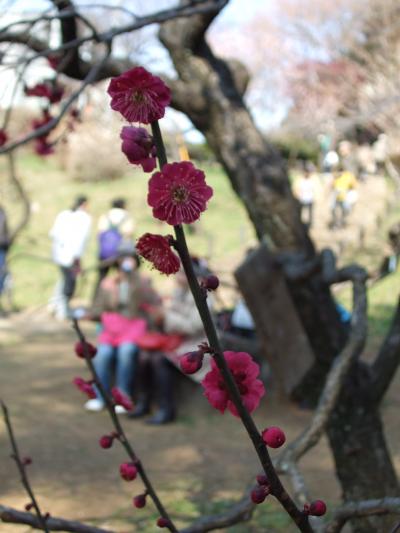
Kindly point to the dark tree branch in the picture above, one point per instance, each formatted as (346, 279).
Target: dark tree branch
(13, 516)
(388, 359)
(358, 509)
(21, 465)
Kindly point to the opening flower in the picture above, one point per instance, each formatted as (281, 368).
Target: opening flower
(85, 387)
(179, 193)
(121, 399)
(138, 146)
(245, 372)
(157, 250)
(139, 96)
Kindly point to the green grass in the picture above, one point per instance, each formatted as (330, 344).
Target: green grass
(224, 231)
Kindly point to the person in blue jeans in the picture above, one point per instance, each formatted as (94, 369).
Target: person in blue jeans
(121, 305)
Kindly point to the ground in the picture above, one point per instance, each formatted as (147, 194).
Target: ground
(202, 461)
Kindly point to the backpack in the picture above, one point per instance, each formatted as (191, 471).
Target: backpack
(109, 242)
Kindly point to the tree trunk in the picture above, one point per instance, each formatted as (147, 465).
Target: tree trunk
(363, 463)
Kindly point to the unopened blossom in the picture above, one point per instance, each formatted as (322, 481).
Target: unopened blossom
(42, 147)
(245, 372)
(138, 146)
(106, 441)
(163, 522)
(191, 362)
(128, 471)
(121, 399)
(273, 437)
(85, 387)
(316, 508)
(81, 348)
(157, 250)
(179, 193)
(3, 137)
(139, 501)
(259, 493)
(139, 96)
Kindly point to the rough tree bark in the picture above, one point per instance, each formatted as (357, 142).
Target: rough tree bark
(210, 92)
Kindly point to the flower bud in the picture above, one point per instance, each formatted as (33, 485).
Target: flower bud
(191, 362)
(81, 348)
(273, 437)
(128, 471)
(106, 441)
(139, 501)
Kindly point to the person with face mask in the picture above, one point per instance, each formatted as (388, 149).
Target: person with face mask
(121, 305)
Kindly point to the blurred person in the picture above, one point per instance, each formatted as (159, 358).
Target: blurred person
(183, 332)
(122, 306)
(4, 245)
(69, 235)
(330, 162)
(305, 192)
(344, 197)
(114, 230)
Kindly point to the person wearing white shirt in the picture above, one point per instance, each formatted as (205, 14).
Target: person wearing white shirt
(69, 235)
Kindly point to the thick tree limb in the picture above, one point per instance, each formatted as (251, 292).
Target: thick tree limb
(359, 509)
(388, 359)
(13, 516)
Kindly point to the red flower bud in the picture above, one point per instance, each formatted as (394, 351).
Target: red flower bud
(317, 508)
(106, 441)
(27, 461)
(128, 471)
(28, 506)
(139, 501)
(191, 362)
(85, 347)
(163, 522)
(258, 494)
(273, 437)
(211, 283)
(262, 480)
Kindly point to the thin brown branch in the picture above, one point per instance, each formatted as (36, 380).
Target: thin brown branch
(13, 516)
(388, 359)
(120, 431)
(358, 509)
(338, 372)
(21, 465)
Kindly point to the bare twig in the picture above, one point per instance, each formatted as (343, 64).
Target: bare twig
(340, 367)
(120, 431)
(13, 516)
(357, 509)
(21, 465)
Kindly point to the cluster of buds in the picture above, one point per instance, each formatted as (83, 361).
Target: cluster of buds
(261, 490)
(191, 362)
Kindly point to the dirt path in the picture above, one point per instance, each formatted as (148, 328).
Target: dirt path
(203, 457)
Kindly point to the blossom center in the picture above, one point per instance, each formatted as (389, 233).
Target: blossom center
(180, 195)
(138, 97)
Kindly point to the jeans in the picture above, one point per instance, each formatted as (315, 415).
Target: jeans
(124, 357)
